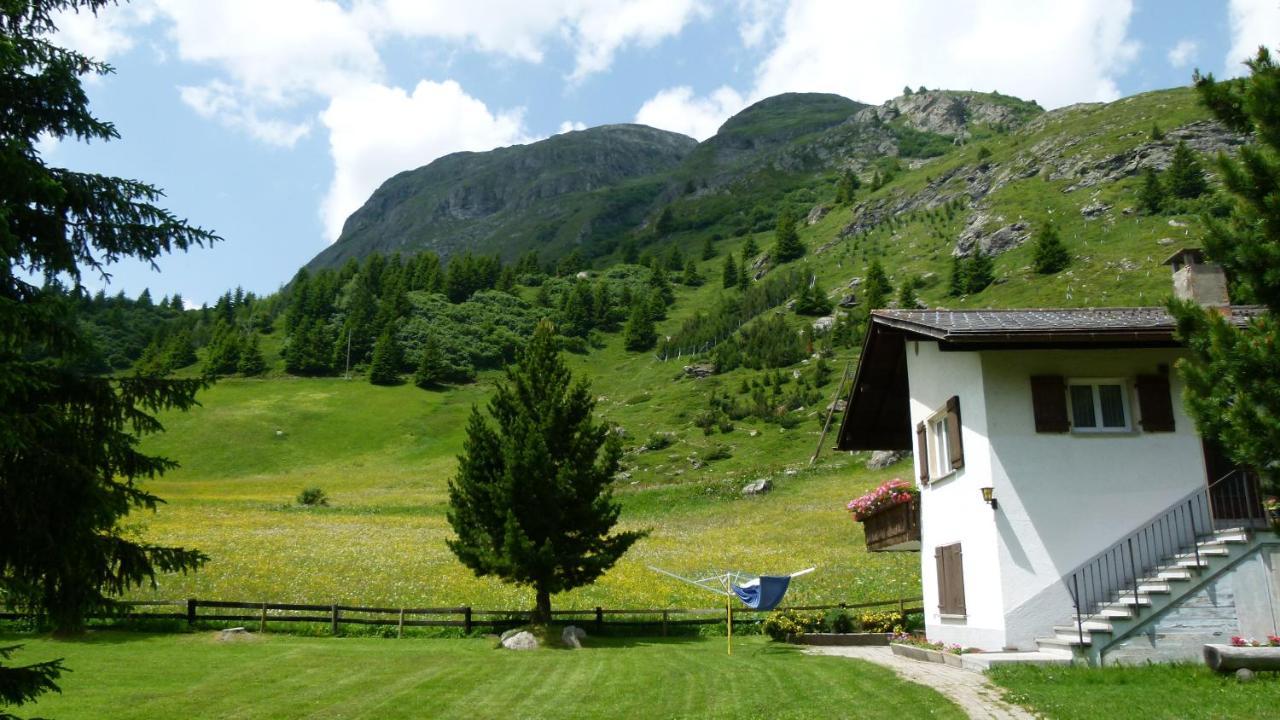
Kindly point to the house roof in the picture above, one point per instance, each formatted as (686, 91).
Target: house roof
(877, 416)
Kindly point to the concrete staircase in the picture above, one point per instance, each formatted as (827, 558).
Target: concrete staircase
(1161, 587)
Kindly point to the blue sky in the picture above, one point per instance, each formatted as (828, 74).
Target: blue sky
(269, 122)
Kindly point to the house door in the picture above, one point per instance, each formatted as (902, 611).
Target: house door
(1235, 493)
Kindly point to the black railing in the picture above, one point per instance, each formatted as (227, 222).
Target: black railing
(1116, 571)
(1236, 499)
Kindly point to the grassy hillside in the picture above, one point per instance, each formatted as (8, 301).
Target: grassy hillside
(385, 454)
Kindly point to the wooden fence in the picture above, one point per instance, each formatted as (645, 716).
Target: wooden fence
(194, 610)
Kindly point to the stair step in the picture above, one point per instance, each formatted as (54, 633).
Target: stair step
(1214, 550)
(1129, 600)
(1234, 538)
(1173, 573)
(1063, 643)
(1090, 626)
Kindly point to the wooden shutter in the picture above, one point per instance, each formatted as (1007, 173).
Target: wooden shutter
(955, 444)
(1049, 401)
(950, 568)
(1155, 403)
(922, 451)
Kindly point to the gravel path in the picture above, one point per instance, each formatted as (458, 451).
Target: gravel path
(974, 693)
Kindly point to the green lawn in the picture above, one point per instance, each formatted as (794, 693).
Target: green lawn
(1151, 692)
(121, 675)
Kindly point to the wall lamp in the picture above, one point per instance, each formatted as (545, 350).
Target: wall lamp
(989, 499)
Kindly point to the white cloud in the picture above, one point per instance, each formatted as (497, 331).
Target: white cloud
(570, 126)
(376, 131)
(1054, 52)
(756, 18)
(678, 110)
(103, 35)
(1253, 23)
(1183, 54)
(218, 101)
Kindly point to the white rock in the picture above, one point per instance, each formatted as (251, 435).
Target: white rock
(759, 487)
(572, 636)
(521, 640)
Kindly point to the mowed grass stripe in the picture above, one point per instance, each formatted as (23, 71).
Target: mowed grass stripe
(118, 676)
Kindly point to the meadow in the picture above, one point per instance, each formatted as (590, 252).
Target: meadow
(122, 676)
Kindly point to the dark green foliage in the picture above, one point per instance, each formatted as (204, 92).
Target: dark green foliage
(674, 259)
(71, 469)
(765, 343)
(432, 368)
(1151, 196)
(984, 154)
(384, 369)
(531, 502)
(24, 683)
(913, 143)
(812, 301)
(972, 274)
(749, 251)
(1050, 255)
(468, 274)
(907, 299)
(729, 276)
(1156, 133)
(1231, 388)
(702, 331)
(787, 245)
(847, 187)
(906, 90)
(708, 248)
(1185, 178)
(691, 277)
(876, 288)
(222, 356)
(665, 224)
(179, 351)
(308, 349)
(313, 497)
(251, 361)
(638, 334)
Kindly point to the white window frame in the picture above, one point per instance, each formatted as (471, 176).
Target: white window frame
(935, 428)
(1125, 404)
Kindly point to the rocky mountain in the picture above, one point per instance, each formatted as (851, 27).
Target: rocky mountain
(593, 189)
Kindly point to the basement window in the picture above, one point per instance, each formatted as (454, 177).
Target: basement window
(1098, 405)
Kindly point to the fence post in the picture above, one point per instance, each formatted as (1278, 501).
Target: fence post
(599, 618)
(333, 619)
(191, 612)
(902, 607)
(664, 623)
(262, 621)
(466, 620)
(400, 625)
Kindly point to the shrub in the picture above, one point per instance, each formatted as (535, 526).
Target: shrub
(890, 621)
(313, 497)
(718, 452)
(659, 440)
(782, 623)
(840, 621)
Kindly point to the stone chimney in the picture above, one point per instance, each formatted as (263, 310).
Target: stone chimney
(1194, 279)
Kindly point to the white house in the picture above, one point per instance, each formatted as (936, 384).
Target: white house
(1066, 500)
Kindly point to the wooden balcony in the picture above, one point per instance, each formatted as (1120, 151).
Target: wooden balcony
(894, 530)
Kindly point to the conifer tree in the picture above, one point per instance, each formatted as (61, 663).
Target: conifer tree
(638, 334)
(384, 369)
(307, 351)
(665, 224)
(787, 245)
(1231, 388)
(179, 350)
(959, 276)
(847, 187)
(907, 299)
(223, 352)
(1151, 196)
(876, 288)
(659, 284)
(730, 273)
(982, 271)
(708, 248)
(749, 251)
(812, 301)
(431, 370)
(691, 277)
(744, 276)
(1050, 254)
(251, 361)
(1185, 176)
(675, 259)
(531, 502)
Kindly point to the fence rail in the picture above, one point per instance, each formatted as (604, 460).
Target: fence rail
(467, 618)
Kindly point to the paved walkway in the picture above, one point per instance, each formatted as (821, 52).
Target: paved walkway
(974, 693)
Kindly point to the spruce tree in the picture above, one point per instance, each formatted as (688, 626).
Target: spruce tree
(847, 187)
(665, 224)
(638, 334)
(432, 369)
(251, 361)
(708, 248)
(744, 276)
(787, 245)
(691, 277)
(1185, 176)
(982, 271)
(907, 299)
(675, 259)
(71, 467)
(730, 273)
(307, 352)
(1050, 254)
(384, 369)
(1151, 196)
(749, 251)
(531, 502)
(876, 288)
(223, 352)
(179, 350)
(812, 301)
(1231, 389)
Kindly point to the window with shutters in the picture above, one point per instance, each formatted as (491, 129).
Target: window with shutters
(939, 442)
(1098, 405)
(943, 451)
(950, 567)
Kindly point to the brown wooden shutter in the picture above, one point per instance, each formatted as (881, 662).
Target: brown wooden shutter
(1049, 401)
(1156, 403)
(950, 569)
(922, 451)
(955, 444)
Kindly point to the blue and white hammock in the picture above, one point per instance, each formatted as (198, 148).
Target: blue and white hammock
(758, 592)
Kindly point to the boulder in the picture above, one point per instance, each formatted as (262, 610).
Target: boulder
(1004, 238)
(824, 324)
(231, 634)
(881, 459)
(848, 300)
(838, 406)
(520, 640)
(572, 636)
(1094, 210)
(700, 370)
(759, 487)
(816, 214)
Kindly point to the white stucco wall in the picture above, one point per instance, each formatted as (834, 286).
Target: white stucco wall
(1065, 497)
(951, 508)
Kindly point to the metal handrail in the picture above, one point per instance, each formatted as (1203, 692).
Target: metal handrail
(1118, 569)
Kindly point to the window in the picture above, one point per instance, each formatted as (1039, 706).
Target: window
(950, 568)
(1098, 405)
(939, 443)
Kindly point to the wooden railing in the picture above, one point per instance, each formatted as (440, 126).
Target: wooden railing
(895, 528)
(194, 611)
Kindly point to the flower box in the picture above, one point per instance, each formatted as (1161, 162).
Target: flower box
(890, 516)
